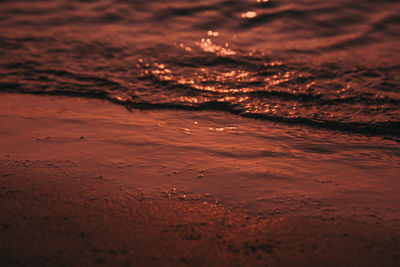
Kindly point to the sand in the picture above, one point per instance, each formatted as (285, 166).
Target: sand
(61, 204)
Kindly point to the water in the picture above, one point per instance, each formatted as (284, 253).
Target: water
(326, 73)
(329, 64)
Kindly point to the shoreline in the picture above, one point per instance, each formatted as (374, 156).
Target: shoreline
(74, 190)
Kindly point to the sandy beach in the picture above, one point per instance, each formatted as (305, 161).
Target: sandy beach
(66, 201)
(199, 133)
(52, 218)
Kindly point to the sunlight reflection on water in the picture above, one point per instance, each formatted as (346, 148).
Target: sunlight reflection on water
(297, 63)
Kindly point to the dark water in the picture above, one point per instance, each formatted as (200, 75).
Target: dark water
(326, 64)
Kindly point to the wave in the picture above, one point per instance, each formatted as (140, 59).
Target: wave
(299, 63)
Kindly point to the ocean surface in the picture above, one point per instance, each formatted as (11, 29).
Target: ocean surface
(326, 73)
(325, 64)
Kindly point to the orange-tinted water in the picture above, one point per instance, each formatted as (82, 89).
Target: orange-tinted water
(331, 65)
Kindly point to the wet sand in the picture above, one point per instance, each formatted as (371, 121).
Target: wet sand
(62, 205)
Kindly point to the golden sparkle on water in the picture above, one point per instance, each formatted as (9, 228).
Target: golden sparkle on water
(249, 14)
(211, 33)
(209, 47)
(229, 86)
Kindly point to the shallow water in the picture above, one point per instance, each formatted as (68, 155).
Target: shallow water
(266, 168)
(326, 73)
